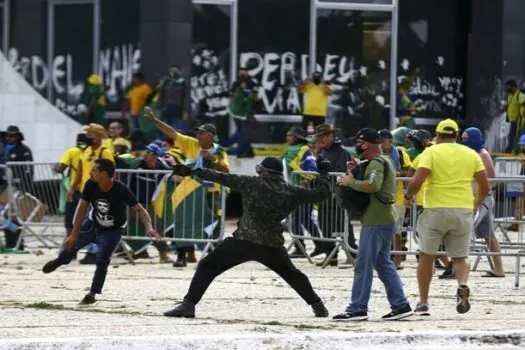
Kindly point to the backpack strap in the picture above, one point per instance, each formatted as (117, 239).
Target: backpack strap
(386, 170)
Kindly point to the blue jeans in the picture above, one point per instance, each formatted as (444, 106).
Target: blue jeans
(374, 253)
(173, 117)
(511, 137)
(107, 242)
(241, 138)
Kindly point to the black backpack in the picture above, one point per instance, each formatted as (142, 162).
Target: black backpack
(356, 201)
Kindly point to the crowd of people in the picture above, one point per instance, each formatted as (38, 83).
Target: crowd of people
(441, 169)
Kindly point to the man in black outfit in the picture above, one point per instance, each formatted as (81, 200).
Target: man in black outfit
(110, 200)
(266, 199)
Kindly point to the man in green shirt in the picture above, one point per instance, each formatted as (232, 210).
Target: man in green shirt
(378, 228)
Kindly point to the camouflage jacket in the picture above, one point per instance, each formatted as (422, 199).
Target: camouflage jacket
(266, 201)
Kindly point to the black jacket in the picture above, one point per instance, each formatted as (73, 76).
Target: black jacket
(22, 174)
(266, 201)
(338, 156)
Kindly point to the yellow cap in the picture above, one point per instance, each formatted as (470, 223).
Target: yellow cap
(94, 79)
(447, 126)
(96, 129)
(120, 141)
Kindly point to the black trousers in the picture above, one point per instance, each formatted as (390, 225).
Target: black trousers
(233, 252)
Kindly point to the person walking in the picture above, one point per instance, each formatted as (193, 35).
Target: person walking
(110, 200)
(378, 227)
(484, 222)
(449, 169)
(267, 199)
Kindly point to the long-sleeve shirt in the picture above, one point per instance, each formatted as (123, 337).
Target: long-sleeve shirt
(382, 188)
(266, 201)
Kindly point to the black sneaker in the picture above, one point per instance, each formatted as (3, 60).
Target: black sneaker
(319, 309)
(439, 265)
(399, 314)
(180, 263)
(89, 259)
(462, 295)
(422, 310)
(448, 273)
(331, 262)
(184, 309)
(316, 252)
(88, 300)
(351, 316)
(51, 266)
(296, 254)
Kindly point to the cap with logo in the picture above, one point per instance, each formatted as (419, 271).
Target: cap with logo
(369, 135)
(155, 149)
(209, 128)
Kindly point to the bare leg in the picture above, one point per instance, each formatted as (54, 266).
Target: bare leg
(424, 276)
(493, 245)
(462, 268)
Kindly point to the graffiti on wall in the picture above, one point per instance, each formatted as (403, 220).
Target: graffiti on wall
(209, 83)
(116, 67)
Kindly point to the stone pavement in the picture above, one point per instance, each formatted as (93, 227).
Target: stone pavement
(247, 299)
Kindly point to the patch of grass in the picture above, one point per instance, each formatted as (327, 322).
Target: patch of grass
(44, 305)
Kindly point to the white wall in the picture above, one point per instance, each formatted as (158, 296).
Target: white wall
(47, 131)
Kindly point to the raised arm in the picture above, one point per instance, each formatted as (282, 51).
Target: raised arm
(163, 127)
(237, 182)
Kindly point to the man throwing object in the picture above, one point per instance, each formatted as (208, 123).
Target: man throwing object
(267, 199)
(109, 199)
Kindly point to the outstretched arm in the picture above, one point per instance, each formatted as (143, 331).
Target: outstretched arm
(163, 127)
(237, 182)
(320, 193)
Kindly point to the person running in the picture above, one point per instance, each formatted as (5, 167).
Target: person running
(449, 169)
(484, 222)
(109, 199)
(267, 199)
(378, 227)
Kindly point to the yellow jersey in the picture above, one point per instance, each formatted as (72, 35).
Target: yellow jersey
(400, 185)
(71, 158)
(137, 96)
(452, 167)
(316, 99)
(88, 158)
(515, 106)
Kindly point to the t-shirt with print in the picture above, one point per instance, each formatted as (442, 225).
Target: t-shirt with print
(109, 208)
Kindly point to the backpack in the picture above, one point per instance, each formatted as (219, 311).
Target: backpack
(357, 201)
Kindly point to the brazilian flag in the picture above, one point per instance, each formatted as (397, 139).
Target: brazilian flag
(183, 208)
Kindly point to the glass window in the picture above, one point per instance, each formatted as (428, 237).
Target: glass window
(211, 58)
(274, 45)
(353, 53)
(73, 50)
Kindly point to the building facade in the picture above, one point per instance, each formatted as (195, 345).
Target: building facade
(463, 50)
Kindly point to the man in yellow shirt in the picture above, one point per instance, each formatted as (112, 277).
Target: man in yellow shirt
(70, 160)
(448, 168)
(315, 107)
(515, 109)
(137, 97)
(95, 133)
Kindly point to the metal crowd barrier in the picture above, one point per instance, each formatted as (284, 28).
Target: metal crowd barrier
(303, 224)
(184, 211)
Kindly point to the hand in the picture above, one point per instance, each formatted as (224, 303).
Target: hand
(344, 180)
(71, 242)
(70, 195)
(149, 114)
(182, 170)
(154, 235)
(476, 207)
(207, 155)
(408, 203)
(350, 165)
(323, 164)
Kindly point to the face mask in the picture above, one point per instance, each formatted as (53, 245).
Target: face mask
(89, 142)
(359, 150)
(475, 139)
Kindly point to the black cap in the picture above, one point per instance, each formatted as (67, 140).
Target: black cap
(271, 165)
(385, 134)
(209, 128)
(298, 132)
(13, 130)
(369, 135)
